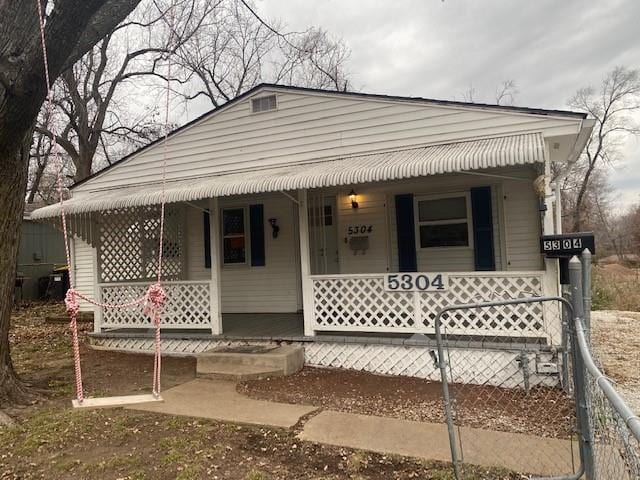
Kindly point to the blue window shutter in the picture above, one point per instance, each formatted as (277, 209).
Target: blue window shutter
(482, 228)
(206, 229)
(406, 233)
(256, 227)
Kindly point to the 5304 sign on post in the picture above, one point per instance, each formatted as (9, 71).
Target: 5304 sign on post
(416, 282)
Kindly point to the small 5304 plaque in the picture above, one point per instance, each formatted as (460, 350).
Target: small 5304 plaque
(416, 282)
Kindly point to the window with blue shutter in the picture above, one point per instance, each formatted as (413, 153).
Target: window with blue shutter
(406, 233)
(234, 238)
(483, 228)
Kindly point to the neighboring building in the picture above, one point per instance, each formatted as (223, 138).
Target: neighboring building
(41, 250)
(288, 206)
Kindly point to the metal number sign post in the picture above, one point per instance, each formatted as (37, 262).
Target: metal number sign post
(567, 245)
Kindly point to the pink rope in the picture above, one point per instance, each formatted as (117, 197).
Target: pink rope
(70, 298)
(154, 304)
(155, 297)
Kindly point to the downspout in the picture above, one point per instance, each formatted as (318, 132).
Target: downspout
(558, 205)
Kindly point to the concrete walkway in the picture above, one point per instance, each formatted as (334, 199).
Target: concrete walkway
(218, 400)
(522, 453)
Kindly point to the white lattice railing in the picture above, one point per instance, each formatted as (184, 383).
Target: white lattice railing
(188, 305)
(360, 303)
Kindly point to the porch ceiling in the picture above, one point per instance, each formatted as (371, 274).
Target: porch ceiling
(398, 164)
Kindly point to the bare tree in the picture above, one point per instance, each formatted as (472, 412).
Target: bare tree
(44, 167)
(41, 152)
(506, 92)
(220, 48)
(612, 106)
(236, 49)
(72, 28)
(94, 120)
(469, 95)
(314, 59)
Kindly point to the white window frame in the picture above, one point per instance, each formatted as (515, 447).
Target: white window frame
(247, 241)
(469, 220)
(260, 97)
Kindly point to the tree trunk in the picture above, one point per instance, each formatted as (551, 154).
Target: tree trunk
(35, 186)
(83, 166)
(72, 28)
(577, 213)
(13, 181)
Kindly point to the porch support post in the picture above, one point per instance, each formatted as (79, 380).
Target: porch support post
(551, 276)
(215, 302)
(548, 228)
(305, 263)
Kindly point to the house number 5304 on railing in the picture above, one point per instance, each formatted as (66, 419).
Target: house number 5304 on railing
(416, 282)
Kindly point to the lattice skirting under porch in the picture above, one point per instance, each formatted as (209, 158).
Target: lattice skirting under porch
(502, 368)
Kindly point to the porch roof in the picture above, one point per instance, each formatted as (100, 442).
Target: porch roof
(470, 155)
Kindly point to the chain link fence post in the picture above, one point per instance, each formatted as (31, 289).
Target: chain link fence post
(442, 364)
(586, 259)
(579, 371)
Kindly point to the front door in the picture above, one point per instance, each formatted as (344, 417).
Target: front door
(323, 235)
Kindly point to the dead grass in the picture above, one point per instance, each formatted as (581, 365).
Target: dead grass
(615, 287)
(108, 444)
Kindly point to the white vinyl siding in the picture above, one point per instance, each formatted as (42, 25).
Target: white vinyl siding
(309, 126)
(371, 211)
(83, 263)
(194, 240)
(522, 227)
(272, 288)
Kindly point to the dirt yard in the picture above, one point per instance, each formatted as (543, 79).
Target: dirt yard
(544, 411)
(615, 336)
(50, 440)
(616, 327)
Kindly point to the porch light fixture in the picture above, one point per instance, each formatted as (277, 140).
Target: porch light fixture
(353, 196)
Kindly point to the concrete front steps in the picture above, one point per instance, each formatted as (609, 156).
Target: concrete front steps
(249, 362)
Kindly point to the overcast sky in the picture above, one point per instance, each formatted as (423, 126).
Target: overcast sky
(438, 49)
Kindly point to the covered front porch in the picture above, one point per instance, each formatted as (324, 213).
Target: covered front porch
(307, 251)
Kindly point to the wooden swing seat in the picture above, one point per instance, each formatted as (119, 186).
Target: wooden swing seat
(118, 401)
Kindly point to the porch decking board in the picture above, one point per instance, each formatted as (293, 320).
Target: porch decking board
(289, 327)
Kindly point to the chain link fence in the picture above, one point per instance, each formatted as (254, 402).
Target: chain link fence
(538, 407)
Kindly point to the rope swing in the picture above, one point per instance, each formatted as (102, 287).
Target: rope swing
(155, 297)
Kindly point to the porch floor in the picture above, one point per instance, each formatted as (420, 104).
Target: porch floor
(289, 327)
(285, 326)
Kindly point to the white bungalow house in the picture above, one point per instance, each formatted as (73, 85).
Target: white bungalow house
(290, 209)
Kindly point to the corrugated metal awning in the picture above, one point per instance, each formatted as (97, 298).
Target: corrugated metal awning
(418, 162)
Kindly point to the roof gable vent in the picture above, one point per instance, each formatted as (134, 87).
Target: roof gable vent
(263, 104)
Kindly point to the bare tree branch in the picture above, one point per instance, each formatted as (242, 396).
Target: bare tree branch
(612, 107)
